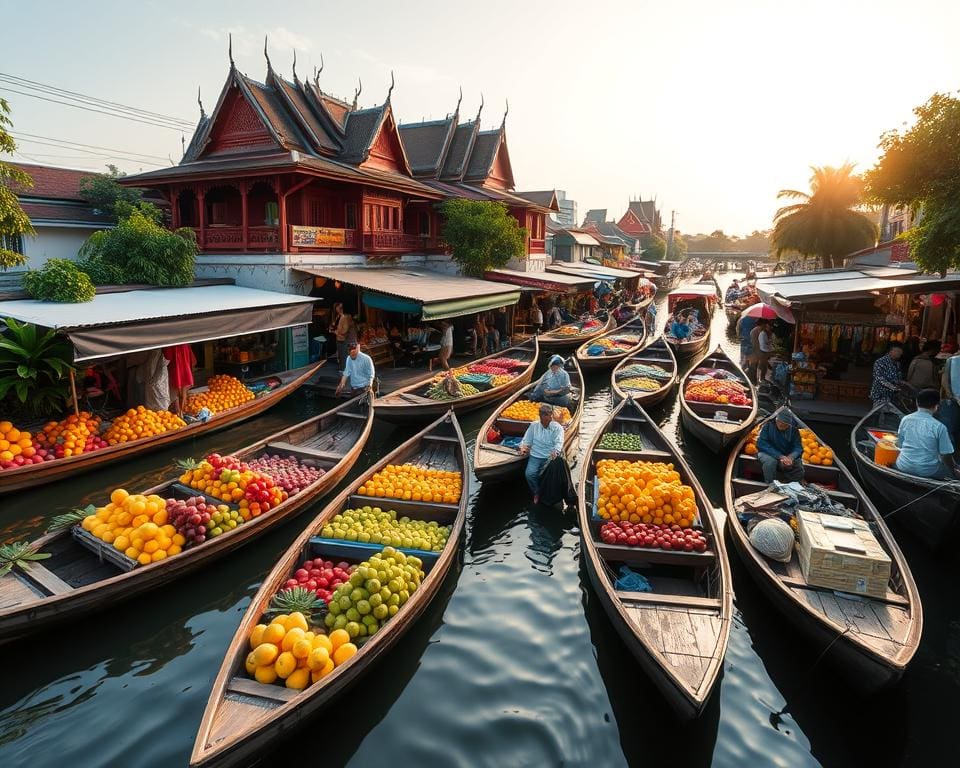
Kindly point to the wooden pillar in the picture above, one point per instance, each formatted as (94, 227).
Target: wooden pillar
(244, 219)
(73, 392)
(282, 199)
(201, 218)
(362, 216)
(175, 207)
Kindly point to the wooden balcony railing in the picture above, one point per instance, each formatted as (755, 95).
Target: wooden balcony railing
(393, 241)
(537, 246)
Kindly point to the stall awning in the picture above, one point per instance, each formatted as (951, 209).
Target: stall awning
(545, 281)
(134, 321)
(595, 270)
(812, 288)
(421, 292)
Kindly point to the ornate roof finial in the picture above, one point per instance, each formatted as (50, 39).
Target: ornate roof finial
(390, 90)
(266, 55)
(230, 49)
(202, 113)
(457, 110)
(481, 108)
(503, 123)
(356, 93)
(295, 66)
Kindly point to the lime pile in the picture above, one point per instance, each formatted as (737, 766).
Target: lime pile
(373, 525)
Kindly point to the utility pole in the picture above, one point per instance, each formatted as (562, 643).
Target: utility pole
(673, 215)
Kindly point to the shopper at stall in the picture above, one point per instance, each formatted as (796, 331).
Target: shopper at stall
(536, 318)
(922, 372)
(554, 385)
(332, 329)
(446, 344)
(181, 360)
(925, 446)
(542, 442)
(358, 372)
(779, 449)
(887, 377)
(152, 373)
(554, 318)
(500, 323)
(493, 335)
(346, 332)
(755, 370)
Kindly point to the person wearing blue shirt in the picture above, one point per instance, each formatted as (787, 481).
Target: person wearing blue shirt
(680, 327)
(925, 446)
(542, 442)
(358, 371)
(779, 449)
(554, 385)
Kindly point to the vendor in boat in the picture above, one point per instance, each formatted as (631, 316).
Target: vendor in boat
(681, 328)
(358, 373)
(733, 293)
(780, 449)
(542, 442)
(925, 446)
(554, 385)
(887, 376)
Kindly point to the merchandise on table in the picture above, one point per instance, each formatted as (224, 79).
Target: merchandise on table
(640, 384)
(76, 434)
(642, 369)
(232, 481)
(722, 391)
(653, 536)
(17, 449)
(621, 441)
(141, 422)
(410, 482)
(223, 392)
(644, 492)
(373, 525)
(136, 525)
(527, 410)
(321, 577)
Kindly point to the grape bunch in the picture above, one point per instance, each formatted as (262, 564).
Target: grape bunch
(191, 516)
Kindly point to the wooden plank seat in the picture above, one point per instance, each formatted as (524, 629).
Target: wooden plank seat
(274, 693)
(659, 598)
(346, 415)
(890, 597)
(440, 438)
(646, 454)
(44, 578)
(295, 448)
(628, 554)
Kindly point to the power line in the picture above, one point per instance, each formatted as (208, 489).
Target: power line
(18, 134)
(43, 86)
(96, 154)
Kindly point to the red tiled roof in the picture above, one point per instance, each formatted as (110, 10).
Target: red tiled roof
(52, 183)
(41, 212)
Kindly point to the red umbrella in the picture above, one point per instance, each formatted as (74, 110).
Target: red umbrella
(761, 311)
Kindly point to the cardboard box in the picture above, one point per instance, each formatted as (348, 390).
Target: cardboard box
(843, 554)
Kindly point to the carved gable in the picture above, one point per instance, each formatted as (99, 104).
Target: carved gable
(386, 151)
(239, 127)
(501, 172)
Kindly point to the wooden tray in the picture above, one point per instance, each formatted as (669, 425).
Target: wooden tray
(103, 550)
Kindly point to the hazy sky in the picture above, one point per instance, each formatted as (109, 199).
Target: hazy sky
(712, 107)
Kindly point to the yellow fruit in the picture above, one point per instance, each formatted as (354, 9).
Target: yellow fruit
(144, 559)
(285, 664)
(282, 621)
(319, 674)
(322, 641)
(250, 664)
(265, 653)
(292, 636)
(256, 636)
(119, 496)
(265, 674)
(302, 648)
(338, 637)
(160, 554)
(318, 658)
(343, 653)
(299, 679)
(297, 619)
(274, 633)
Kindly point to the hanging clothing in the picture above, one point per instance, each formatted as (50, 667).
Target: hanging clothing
(152, 374)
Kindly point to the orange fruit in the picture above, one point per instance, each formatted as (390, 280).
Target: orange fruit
(265, 653)
(338, 637)
(344, 653)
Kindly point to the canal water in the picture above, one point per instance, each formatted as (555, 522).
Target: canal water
(514, 663)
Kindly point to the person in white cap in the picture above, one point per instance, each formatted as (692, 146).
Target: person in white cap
(554, 385)
(542, 442)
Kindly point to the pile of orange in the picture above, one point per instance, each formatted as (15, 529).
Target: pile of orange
(644, 492)
(137, 526)
(222, 393)
(15, 443)
(412, 483)
(288, 650)
(814, 452)
(527, 410)
(750, 448)
(141, 422)
(72, 432)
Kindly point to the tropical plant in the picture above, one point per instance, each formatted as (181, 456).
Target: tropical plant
(482, 235)
(653, 247)
(920, 169)
(20, 554)
(826, 224)
(59, 280)
(34, 367)
(102, 191)
(13, 220)
(298, 599)
(143, 251)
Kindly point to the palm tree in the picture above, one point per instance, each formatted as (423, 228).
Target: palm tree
(826, 224)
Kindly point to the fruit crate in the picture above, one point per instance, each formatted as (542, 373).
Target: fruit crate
(103, 550)
(596, 521)
(360, 550)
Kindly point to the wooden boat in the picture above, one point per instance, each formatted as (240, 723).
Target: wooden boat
(556, 341)
(711, 281)
(928, 508)
(242, 716)
(49, 471)
(497, 462)
(656, 352)
(410, 405)
(679, 631)
(702, 298)
(870, 640)
(637, 327)
(703, 419)
(689, 348)
(83, 574)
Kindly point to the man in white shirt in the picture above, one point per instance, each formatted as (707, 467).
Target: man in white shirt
(358, 371)
(536, 318)
(542, 442)
(764, 342)
(446, 345)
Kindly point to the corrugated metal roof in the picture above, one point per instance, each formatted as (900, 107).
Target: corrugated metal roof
(549, 280)
(152, 304)
(595, 269)
(831, 286)
(417, 284)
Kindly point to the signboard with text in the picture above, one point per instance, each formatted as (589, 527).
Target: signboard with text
(318, 237)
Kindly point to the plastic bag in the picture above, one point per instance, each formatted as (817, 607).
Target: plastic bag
(630, 581)
(773, 538)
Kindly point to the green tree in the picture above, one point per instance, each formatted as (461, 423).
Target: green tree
(13, 220)
(141, 251)
(482, 235)
(103, 192)
(653, 247)
(677, 250)
(757, 241)
(59, 280)
(34, 367)
(920, 169)
(715, 242)
(826, 224)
